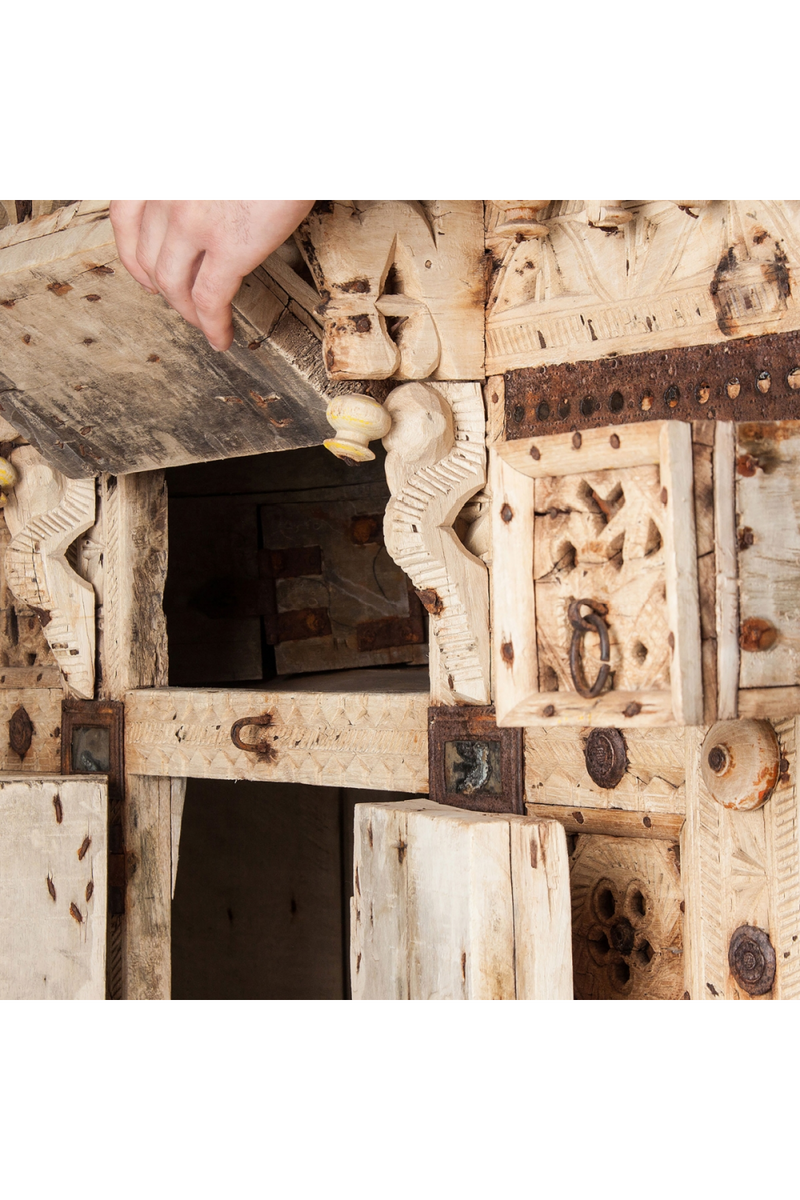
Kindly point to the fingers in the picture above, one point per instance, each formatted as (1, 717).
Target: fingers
(214, 288)
(126, 220)
(196, 253)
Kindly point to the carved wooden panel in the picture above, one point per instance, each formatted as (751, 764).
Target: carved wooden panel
(574, 536)
(576, 284)
(360, 738)
(627, 919)
(654, 782)
(402, 285)
(742, 869)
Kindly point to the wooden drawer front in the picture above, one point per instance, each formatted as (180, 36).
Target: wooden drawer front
(606, 517)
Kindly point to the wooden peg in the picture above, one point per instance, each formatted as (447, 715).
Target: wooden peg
(607, 214)
(740, 762)
(358, 420)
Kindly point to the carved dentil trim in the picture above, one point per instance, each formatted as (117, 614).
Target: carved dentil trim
(45, 514)
(436, 461)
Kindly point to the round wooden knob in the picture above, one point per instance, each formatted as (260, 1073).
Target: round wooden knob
(740, 763)
(358, 420)
(8, 477)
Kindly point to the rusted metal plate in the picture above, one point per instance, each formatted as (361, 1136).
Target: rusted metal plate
(747, 379)
(472, 763)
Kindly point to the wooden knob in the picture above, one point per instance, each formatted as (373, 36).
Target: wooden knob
(8, 477)
(358, 420)
(740, 762)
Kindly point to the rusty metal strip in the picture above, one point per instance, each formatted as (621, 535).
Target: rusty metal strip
(746, 379)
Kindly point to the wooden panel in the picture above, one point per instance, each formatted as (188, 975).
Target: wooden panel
(570, 286)
(101, 375)
(768, 531)
(53, 888)
(359, 738)
(727, 571)
(453, 905)
(555, 771)
(147, 832)
(624, 538)
(627, 919)
(43, 706)
(610, 822)
(741, 868)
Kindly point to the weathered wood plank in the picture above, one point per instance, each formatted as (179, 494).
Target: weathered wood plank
(680, 550)
(100, 375)
(53, 888)
(453, 905)
(147, 831)
(610, 822)
(359, 738)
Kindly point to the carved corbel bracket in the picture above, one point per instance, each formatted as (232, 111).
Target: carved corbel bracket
(436, 461)
(45, 513)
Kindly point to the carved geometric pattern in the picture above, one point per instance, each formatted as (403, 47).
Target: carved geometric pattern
(359, 740)
(577, 291)
(627, 925)
(781, 810)
(603, 539)
(555, 771)
(420, 541)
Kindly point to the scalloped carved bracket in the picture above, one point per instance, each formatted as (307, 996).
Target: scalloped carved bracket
(45, 513)
(435, 463)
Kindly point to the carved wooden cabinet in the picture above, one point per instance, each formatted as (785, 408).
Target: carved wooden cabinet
(591, 418)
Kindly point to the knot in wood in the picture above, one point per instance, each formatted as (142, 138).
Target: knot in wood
(751, 959)
(606, 757)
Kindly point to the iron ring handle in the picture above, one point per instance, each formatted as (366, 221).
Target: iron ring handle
(580, 626)
(262, 746)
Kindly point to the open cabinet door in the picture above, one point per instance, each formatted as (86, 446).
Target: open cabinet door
(456, 905)
(53, 893)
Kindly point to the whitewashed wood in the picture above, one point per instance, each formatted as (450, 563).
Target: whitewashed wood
(680, 545)
(363, 739)
(771, 702)
(741, 868)
(513, 601)
(52, 887)
(653, 785)
(379, 968)
(586, 290)
(45, 513)
(436, 249)
(542, 910)
(435, 462)
(521, 617)
(727, 573)
(560, 455)
(451, 904)
(769, 569)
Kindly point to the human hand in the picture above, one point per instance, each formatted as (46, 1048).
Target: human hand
(196, 252)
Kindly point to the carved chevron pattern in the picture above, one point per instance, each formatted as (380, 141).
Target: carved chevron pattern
(420, 539)
(342, 740)
(786, 867)
(38, 573)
